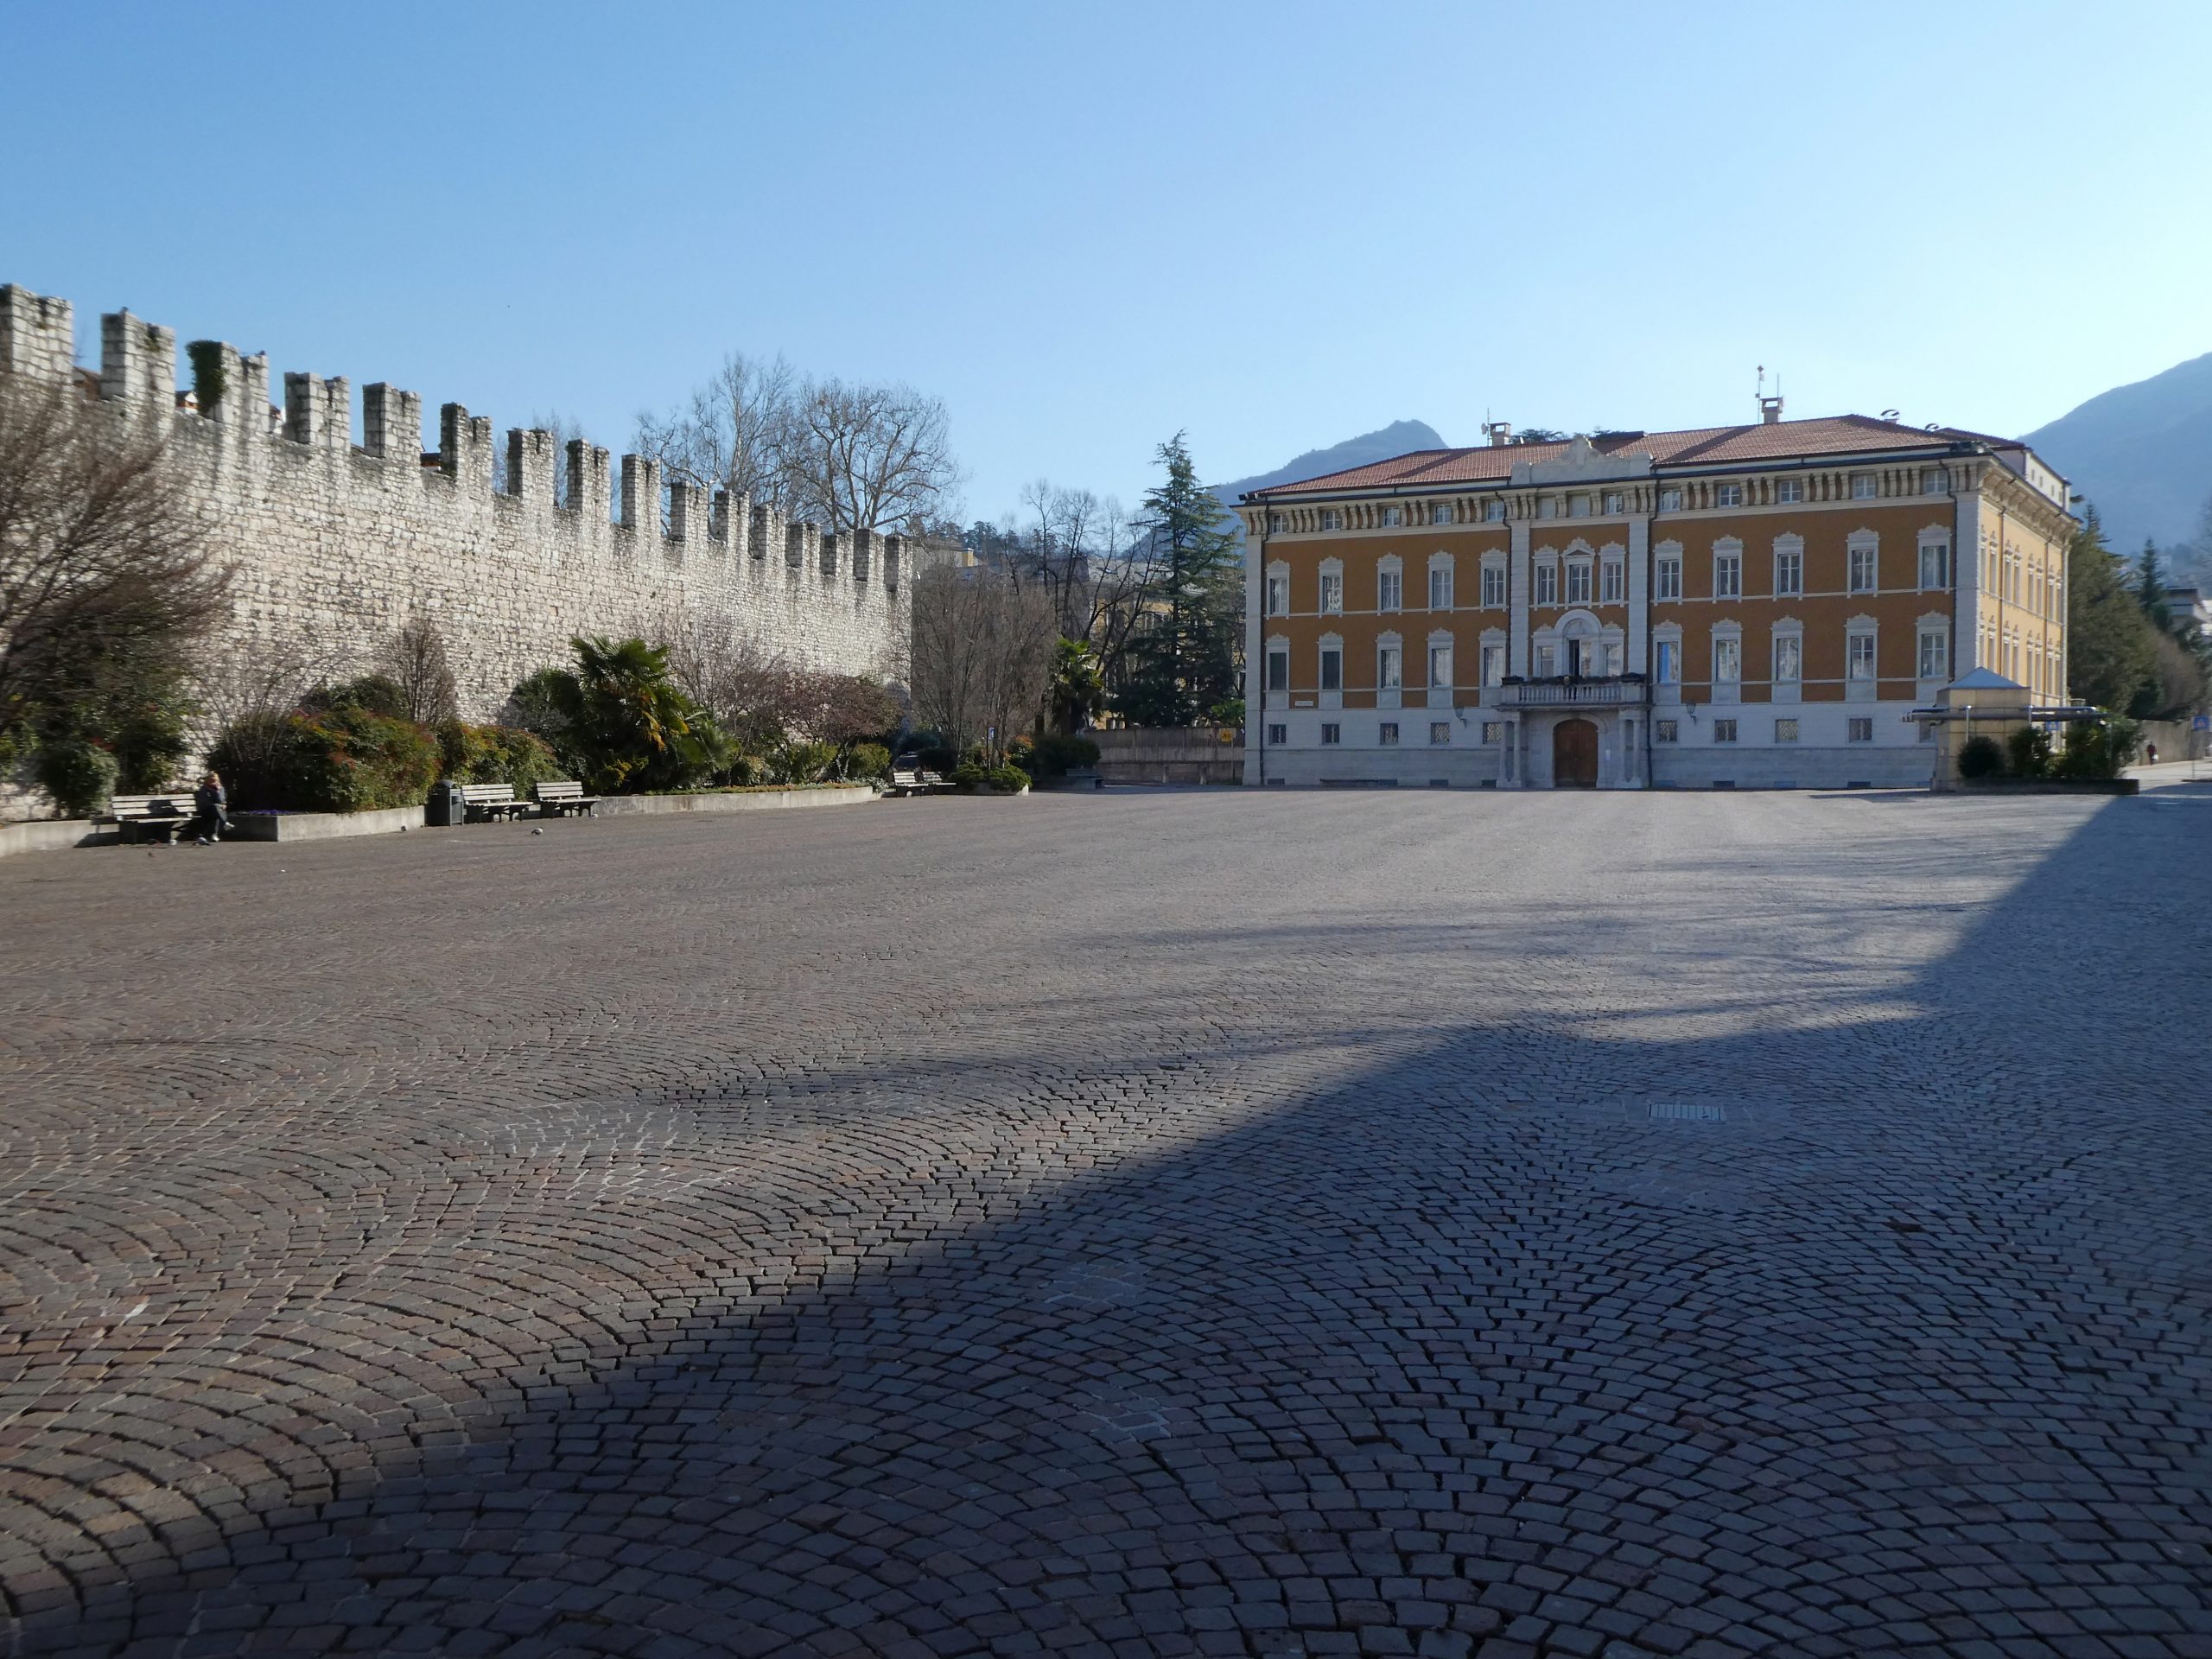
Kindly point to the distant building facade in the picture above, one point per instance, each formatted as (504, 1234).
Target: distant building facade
(1755, 606)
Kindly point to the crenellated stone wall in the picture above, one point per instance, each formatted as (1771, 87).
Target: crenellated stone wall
(335, 545)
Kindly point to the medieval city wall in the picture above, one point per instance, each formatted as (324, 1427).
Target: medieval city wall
(335, 545)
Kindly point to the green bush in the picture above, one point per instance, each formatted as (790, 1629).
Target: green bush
(80, 776)
(1010, 780)
(2095, 752)
(620, 724)
(373, 694)
(1054, 755)
(1981, 758)
(497, 754)
(343, 759)
(2027, 751)
(975, 777)
(970, 775)
(797, 761)
(868, 762)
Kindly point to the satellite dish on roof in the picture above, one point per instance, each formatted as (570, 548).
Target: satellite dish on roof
(1888, 414)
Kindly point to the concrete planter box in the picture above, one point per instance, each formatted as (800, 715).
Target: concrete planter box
(2050, 785)
(50, 835)
(748, 801)
(323, 826)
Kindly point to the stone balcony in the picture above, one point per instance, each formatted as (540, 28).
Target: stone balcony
(1609, 693)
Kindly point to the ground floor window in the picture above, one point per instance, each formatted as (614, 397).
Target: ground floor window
(1440, 731)
(1665, 731)
(1332, 732)
(1862, 731)
(1493, 731)
(1387, 733)
(1278, 733)
(1724, 731)
(1785, 731)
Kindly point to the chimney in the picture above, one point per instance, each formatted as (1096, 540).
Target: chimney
(1770, 409)
(1500, 433)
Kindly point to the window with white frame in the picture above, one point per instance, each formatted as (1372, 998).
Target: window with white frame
(1333, 588)
(1727, 658)
(1935, 481)
(1391, 517)
(1332, 668)
(1547, 662)
(1578, 582)
(1785, 731)
(1388, 665)
(1278, 733)
(1616, 503)
(1331, 732)
(1727, 571)
(1858, 660)
(1278, 665)
(1670, 500)
(1440, 731)
(1493, 664)
(1440, 513)
(1666, 661)
(1935, 562)
(1277, 522)
(1724, 731)
(1789, 564)
(1862, 486)
(1727, 495)
(1440, 583)
(1333, 517)
(1787, 490)
(1546, 583)
(1666, 731)
(1493, 731)
(1789, 658)
(1389, 586)
(1934, 653)
(1612, 582)
(1278, 591)
(1494, 513)
(1440, 664)
(1493, 583)
(1387, 733)
(1865, 555)
(1861, 729)
(1669, 571)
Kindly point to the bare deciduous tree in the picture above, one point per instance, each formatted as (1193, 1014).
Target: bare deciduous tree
(106, 578)
(984, 646)
(416, 661)
(872, 457)
(735, 433)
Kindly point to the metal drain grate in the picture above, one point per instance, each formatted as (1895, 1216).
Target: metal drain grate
(1686, 1111)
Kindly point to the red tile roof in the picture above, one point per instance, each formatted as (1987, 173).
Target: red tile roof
(1832, 435)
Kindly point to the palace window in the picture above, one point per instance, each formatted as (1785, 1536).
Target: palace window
(1279, 593)
(1577, 506)
(1578, 582)
(1934, 654)
(1278, 733)
(1790, 489)
(1333, 517)
(1864, 558)
(1331, 732)
(1612, 582)
(1440, 731)
(1727, 495)
(1666, 731)
(1789, 657)
(1670, 576)
(1390, 589)
(1393, 517)
(1616, 503)
(1547, 584)
(1547, 506)
(1440, 513)
(1494, 513)
(1440, 586)
(1493, 731)
(1493, 664)
(1935, 564)
(1493, 584)
(1440, 665)
(1724, 731)
(1727, 659)
(1860, 660)
(1387, 733)
(1278, 668)
(1332, 668)
(1727, 575)
(1547, 662)
(1386, 674)
(1862, 730)
(1862, 486)
(1789, 564)
(1785, 731)
(1935, 481)
(1666, 662)
(1332, 591)
(1276, 522)
(1670, 500)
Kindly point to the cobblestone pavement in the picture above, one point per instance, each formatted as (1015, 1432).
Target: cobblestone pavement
(1171, 1224)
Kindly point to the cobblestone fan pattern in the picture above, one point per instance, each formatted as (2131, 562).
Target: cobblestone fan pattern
(1154, 1225)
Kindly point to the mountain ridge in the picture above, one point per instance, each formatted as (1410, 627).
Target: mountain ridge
(2140, 454)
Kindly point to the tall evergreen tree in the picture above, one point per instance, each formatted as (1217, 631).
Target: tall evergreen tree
(1184, 660)
(2112, 652)
(2150, 587)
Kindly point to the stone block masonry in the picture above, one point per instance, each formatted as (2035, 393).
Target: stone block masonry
(336, 545)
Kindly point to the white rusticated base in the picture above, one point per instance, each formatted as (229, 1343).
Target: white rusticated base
(750, 801)
(321, 826)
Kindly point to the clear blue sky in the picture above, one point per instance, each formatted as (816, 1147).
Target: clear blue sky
(1276, 224)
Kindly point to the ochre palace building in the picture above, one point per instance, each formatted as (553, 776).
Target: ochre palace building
(1756, 606)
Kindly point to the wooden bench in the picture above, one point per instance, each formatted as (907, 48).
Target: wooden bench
(135, 815)
(912, 778)
(491, 802)
(555, 800)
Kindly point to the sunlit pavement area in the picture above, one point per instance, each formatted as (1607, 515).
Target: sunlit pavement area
(1147, 1224)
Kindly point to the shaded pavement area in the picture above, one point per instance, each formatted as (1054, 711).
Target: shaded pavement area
(1171, 1224)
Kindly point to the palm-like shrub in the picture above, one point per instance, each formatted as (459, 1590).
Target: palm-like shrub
(621, 719)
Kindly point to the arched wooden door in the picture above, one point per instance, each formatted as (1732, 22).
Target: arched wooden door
(1575, 755)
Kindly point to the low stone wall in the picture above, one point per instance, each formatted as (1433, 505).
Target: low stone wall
(323, 826)
(1196, 755)
(51, 834)
(734, 801)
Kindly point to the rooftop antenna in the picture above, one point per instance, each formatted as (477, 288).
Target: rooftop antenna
(1769, 403)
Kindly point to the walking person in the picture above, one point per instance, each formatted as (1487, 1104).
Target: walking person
(212, 802)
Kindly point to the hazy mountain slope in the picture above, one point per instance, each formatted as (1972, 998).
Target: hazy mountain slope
(1400, 437)
(2142, 453)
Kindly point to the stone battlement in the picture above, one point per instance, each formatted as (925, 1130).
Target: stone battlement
(338, 544)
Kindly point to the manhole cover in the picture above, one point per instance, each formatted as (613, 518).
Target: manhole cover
(1686, 1111)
